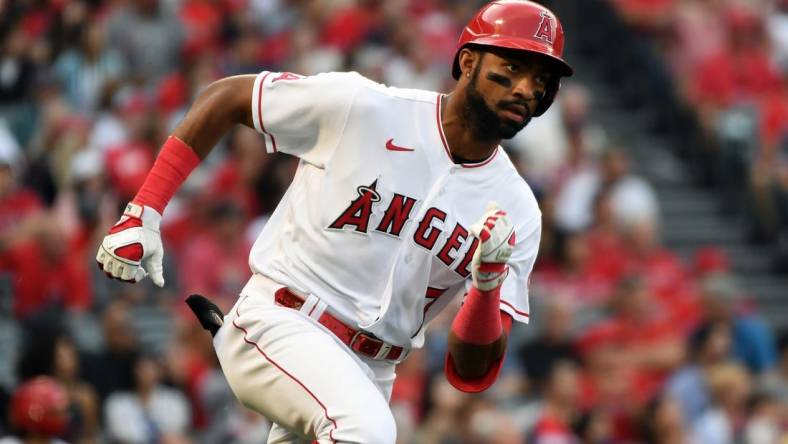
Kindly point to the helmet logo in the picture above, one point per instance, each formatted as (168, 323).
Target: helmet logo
(545, 30)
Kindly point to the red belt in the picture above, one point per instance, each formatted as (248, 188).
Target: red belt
(358, 340)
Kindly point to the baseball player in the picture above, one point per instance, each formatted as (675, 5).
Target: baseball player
(402, 199)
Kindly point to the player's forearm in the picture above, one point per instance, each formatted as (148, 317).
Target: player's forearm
(221, 106)
(477, 337)
(472, 361)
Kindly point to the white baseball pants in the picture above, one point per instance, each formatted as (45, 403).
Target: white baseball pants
(286, 366)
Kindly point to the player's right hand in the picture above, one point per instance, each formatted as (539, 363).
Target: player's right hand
(133, 250)
(496, 241)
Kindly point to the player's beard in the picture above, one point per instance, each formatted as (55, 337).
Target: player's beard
(483, 121)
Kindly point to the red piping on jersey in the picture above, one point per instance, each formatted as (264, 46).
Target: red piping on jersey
(440, 125)
(446, 144)
(250, 342)
(260, 109)
(521, 313)
(433, 292)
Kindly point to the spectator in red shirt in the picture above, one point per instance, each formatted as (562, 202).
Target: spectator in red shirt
(698, 31)
(46, 274)
(17, 204)
(643, 336)
(662, 270)
(574, 274)
(741, 71)
(202, 21)
(35, 251)
(348, 27)
(216, 262)
(606, 241)
(128, 163)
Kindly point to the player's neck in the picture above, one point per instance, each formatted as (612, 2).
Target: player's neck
(465, 147)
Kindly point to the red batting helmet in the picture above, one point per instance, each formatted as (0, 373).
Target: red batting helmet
(40, 406)
(522, 25)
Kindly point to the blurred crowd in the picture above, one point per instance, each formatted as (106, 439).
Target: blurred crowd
(729, 61)
(627, 343)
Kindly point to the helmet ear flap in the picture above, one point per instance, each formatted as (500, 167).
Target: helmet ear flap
(549, 95)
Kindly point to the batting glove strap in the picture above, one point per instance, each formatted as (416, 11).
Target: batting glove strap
(149, 217)
(496, 241)
(487, 281)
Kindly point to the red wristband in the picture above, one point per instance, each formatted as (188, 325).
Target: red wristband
(479, 319)
(175, 162)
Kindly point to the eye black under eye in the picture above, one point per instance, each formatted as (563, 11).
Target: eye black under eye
(499, 79)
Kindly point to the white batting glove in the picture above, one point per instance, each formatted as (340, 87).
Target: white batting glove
(133, 250)
(496, 241)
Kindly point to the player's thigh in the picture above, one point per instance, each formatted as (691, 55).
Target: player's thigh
(284, 366)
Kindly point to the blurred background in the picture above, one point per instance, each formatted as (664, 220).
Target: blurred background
(659, 298)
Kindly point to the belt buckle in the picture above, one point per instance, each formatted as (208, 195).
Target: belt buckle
(382, 352)
(352, 343)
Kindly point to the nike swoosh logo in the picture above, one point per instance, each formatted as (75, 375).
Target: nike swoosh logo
(391, 147)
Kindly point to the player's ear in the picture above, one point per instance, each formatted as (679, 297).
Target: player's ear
(468, 59)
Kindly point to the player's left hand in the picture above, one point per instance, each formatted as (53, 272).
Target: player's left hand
(496, 241)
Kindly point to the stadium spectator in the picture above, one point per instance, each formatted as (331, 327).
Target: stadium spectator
(150, 412)
(776, 383)
(148, 35)
(20, 72)
(632, 198)
(84, 72)
(128, 162)
(553, 344)
(575, 274)
(485, 424)
(52, 354)
(213, 262)
(594, 427)
(753, 342)
(107, 369)
(708, 346)
(662, 423)
(777, 27)
(559, 410)
(562, 143)
(723, 422)
(698, 32)
(46, 275)
(645, 342)
(39, 412)
(741, 70)
(444, 414)
(764, 419)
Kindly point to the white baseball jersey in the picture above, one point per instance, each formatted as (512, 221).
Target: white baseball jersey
(376, 221)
